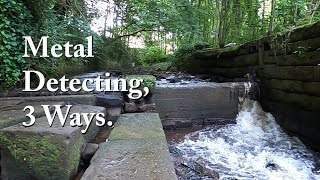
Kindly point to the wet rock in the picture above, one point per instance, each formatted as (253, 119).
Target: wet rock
(113, 113)
(142, 108)
(150, 107)
(173, 79)
(130, 107)
(109, 100)
(272, 166)
(160, 76)
(175, 151)
(200, 167)
(204, 77)
(88, 151)
(230, 45)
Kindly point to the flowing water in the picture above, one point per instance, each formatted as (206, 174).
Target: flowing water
(254, 148)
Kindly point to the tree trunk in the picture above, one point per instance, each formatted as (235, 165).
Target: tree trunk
(272, 17)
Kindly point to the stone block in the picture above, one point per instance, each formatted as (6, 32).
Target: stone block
(301, 73)
(132, 159)
(199, 101)
(137, 126)
(12, 115)
(299, 100)
(40, 152)
(110, 100)
(113, 113)
(316, 73)
(45, 152)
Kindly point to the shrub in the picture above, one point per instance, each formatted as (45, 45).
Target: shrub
(152, 55)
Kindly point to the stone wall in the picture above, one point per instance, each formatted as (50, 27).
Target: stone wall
(289, 72)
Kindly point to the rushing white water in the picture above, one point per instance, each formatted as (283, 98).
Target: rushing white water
(254, 148)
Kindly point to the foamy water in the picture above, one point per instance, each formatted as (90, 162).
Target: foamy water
(254, 148)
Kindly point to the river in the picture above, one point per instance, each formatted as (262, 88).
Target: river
(254, 148)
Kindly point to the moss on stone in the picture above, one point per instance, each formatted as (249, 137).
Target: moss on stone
(149, 81)
(45, 155)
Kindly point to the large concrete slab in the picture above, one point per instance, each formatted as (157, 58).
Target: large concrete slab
(137, 126)
(197, 104)
(137, 149)
(138, 159)
(45, 152)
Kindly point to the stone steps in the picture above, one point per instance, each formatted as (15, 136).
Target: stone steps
(137, 149)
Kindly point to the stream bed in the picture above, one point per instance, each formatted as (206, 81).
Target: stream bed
(253, 148)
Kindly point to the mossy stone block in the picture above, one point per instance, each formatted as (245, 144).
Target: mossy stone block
(27, 155)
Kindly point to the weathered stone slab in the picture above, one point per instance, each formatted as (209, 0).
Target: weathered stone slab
(13, 115)
(40, 152)
(308, 88)
(302, 73)
(8, 103)
(45, 152)
(306, 102)
(197, 102)
(304, 59)
(132, 159)
(137, 126)
(72, 99)
(137, 149)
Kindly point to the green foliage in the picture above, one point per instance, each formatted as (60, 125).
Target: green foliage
(112, 54)
(152, 55)
(180, 58)
(149, 81)
(14, 18)
(60, 30)
(62, 23)
(163, 66)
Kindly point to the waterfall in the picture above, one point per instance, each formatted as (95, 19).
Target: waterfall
(254, 148)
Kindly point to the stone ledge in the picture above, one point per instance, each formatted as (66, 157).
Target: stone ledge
(137, 149)
(137, 126)
(132, 159)
(72, 99)
(12, 115)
